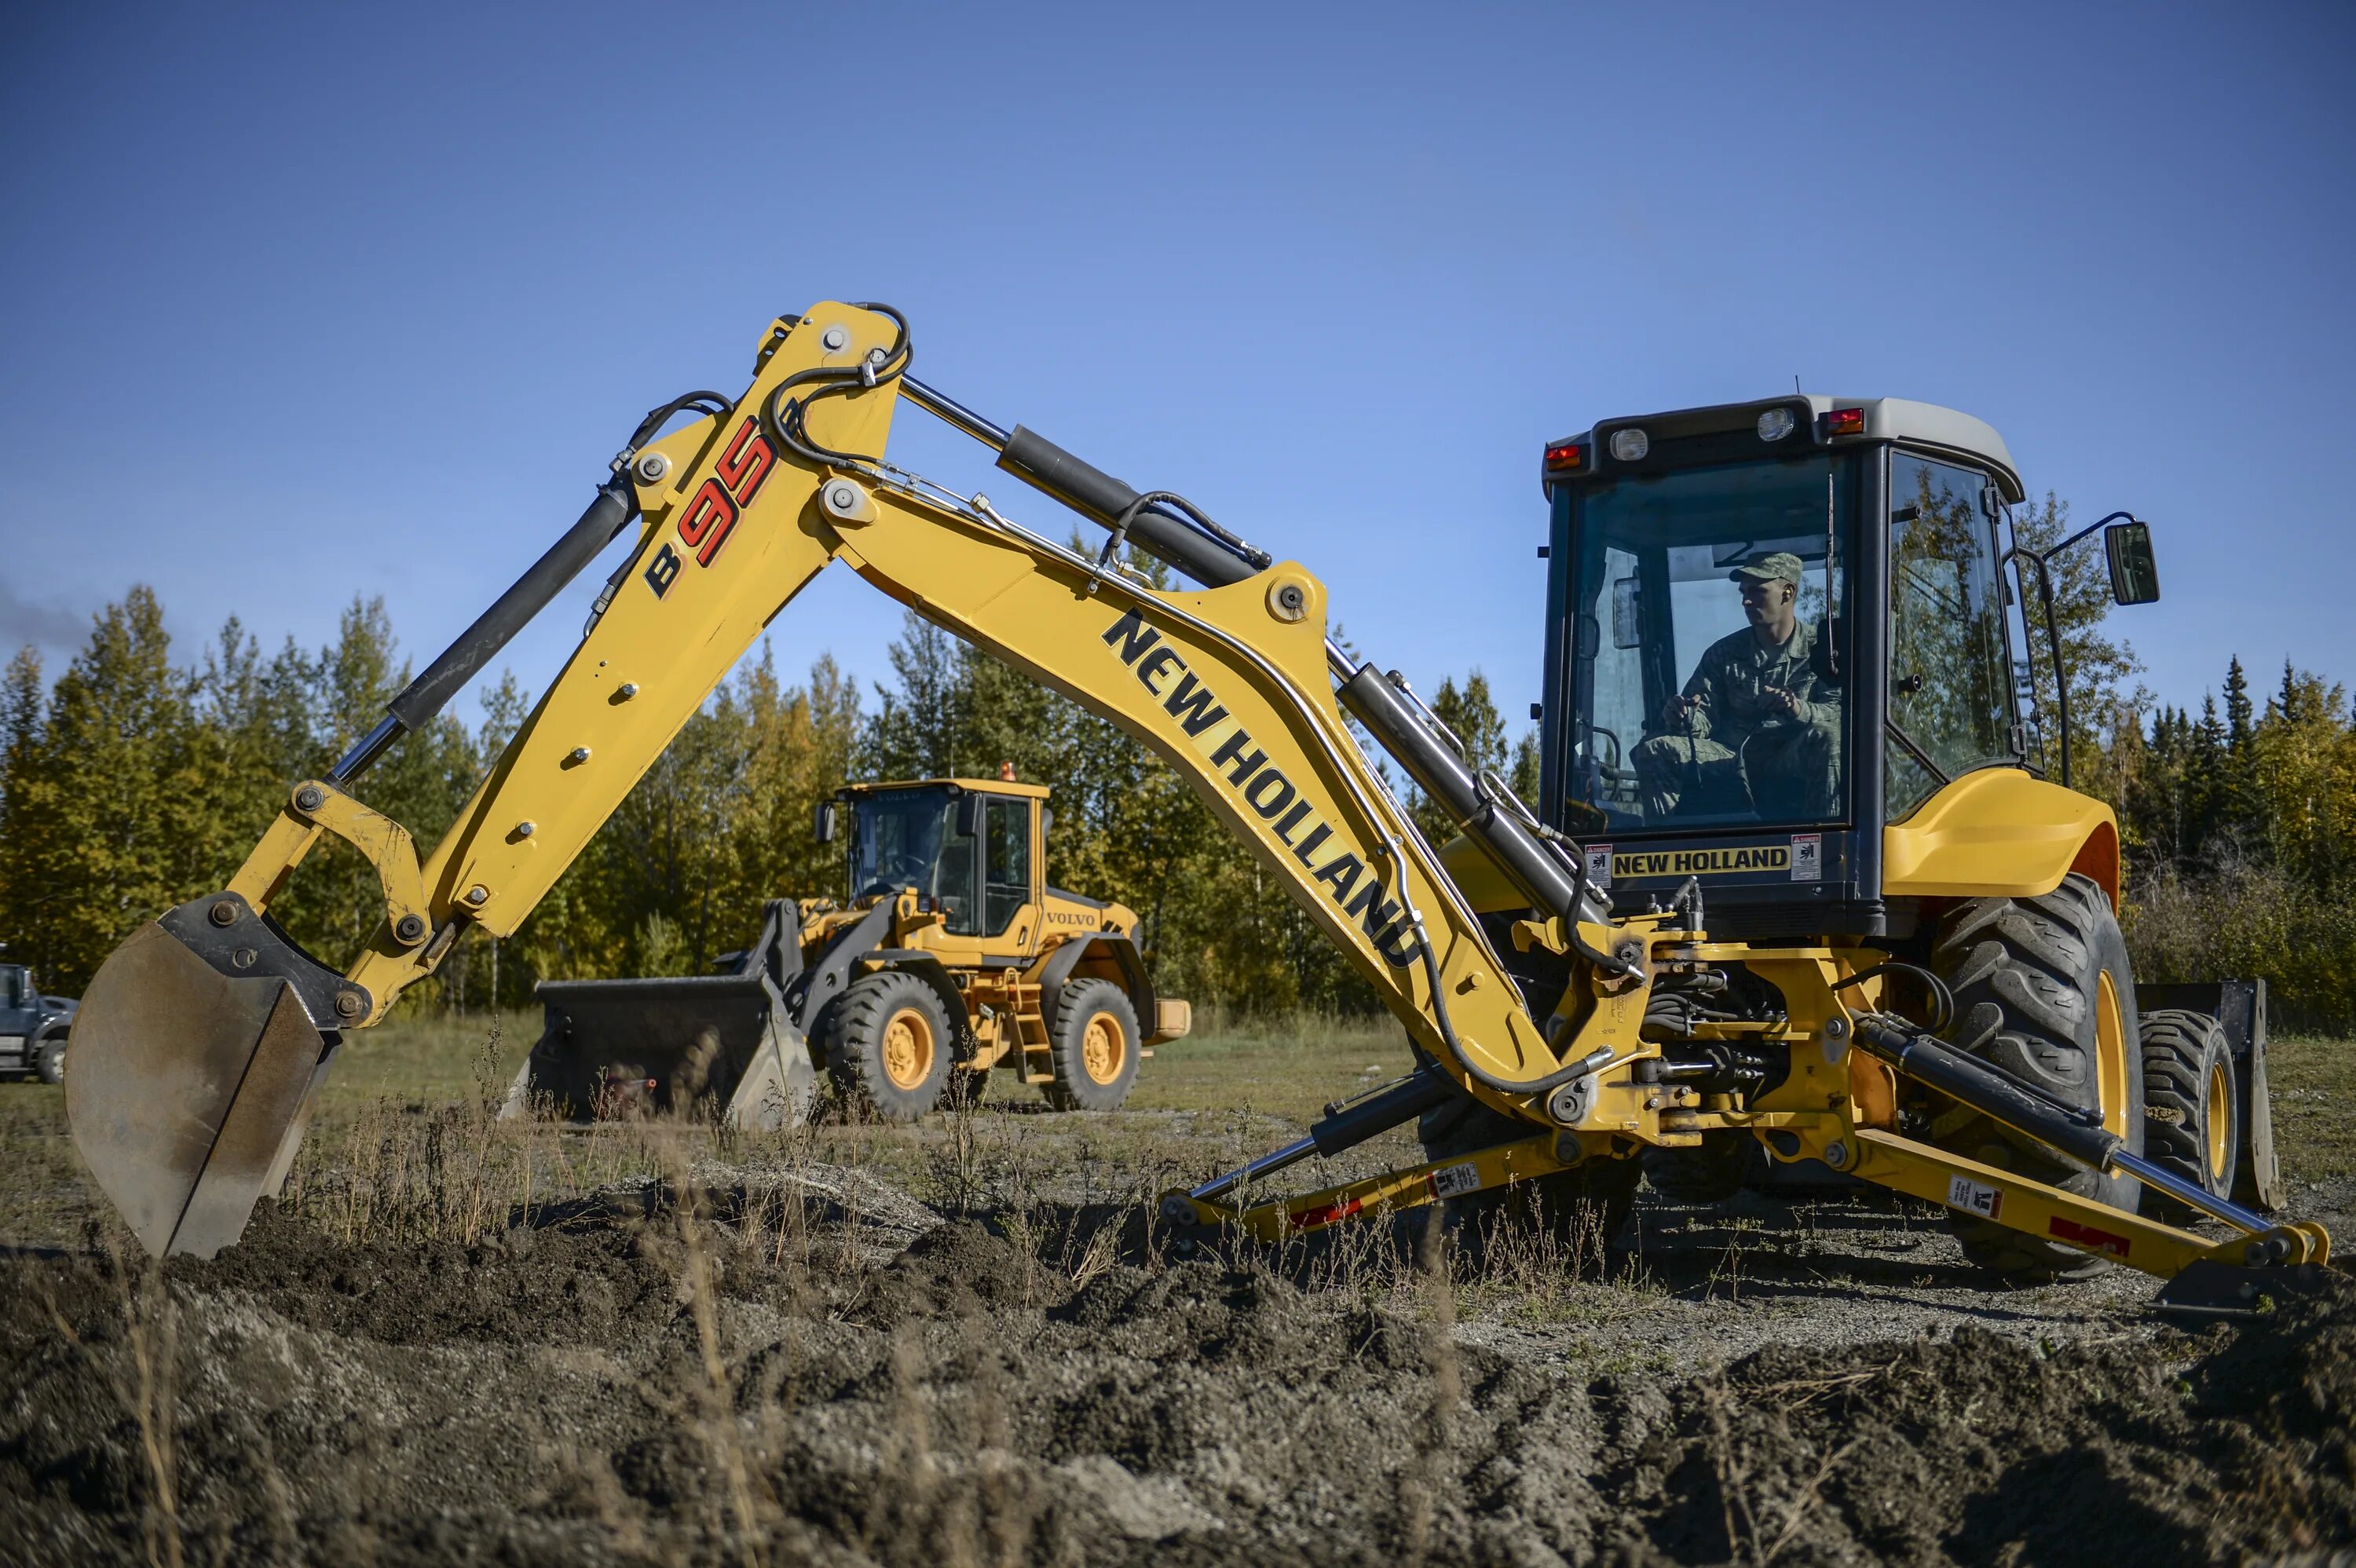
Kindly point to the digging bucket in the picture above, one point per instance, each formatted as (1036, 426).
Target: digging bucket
(193, 1060)
(613, 1048)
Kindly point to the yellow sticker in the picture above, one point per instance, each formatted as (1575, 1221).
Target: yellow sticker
(1702, 862)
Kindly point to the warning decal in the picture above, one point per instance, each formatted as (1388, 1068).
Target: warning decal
(1972, 1198)
(1451, 1180)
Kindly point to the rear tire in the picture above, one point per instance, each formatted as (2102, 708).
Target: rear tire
(2193, 1106)
(49, 1062)
(1581, 1209)
(1711, 1173)
(888, 1044)
(2043, 989)
(1095, 1040)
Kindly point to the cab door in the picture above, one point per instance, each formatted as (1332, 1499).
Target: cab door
(1009, 874)
(19, 1007)
(1949, 667)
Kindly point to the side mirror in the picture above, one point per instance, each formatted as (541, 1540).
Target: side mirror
(968, 813)
(2135, 574)
(1627, 614)
(822, 824)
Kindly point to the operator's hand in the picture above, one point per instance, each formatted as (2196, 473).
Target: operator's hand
(1679, 708)
(1778, 701)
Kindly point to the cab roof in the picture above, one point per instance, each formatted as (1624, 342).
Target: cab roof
(978, 786)
(1925, 425)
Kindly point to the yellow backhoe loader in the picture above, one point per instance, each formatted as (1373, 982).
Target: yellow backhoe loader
(1918, 979)
(949, 956)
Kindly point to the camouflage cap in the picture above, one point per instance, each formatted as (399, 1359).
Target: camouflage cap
(1780, 567)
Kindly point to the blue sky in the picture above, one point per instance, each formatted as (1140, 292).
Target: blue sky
(301, 302)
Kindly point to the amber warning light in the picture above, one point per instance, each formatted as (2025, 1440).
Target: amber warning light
(1569, 457)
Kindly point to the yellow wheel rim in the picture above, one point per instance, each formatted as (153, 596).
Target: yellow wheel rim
(1103, 1049)
(908, 1049)
(2111, 1055)
(2220, 1101)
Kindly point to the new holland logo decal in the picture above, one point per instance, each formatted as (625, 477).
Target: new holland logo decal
(1345, 877)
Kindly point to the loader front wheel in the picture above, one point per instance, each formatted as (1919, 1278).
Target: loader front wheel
(2193, 1104)
(888, 1044)
(1094, 1039)
(2043, 990)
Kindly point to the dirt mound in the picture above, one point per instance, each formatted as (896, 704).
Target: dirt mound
(616, 1386)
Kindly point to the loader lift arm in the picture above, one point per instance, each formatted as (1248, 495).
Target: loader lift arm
(202, 1043)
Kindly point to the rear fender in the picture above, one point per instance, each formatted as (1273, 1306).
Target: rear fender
(1119, 953)
(1999, 833)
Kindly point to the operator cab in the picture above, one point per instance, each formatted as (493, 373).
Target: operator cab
(1738, 598)
(968, 847)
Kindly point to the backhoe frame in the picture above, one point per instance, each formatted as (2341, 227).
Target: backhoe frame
(1233, 685)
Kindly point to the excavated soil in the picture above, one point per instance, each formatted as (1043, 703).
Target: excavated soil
(886, 1384)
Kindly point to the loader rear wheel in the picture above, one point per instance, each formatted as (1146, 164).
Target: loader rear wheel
(2043, 989)
(1580, 1210)
(2193, 1104)
(888, 1044)
(1094, 1039)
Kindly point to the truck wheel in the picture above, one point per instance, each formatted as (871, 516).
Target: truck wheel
(1094, 1039)
(888, 1044)
(2192, 1103)
(2043, 989)
(1582, 1209)
(49, 1062)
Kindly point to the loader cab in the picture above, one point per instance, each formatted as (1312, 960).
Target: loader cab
(970, 848)
(1773, 628)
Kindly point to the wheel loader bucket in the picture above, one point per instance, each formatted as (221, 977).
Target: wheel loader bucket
(610, 1049)
(190, 1078)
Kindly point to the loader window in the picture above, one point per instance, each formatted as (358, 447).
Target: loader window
(1006, 865)
(1950, 692)
(908, 838)
(1707, 679)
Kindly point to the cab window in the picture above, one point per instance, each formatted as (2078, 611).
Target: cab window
(1950, 694)
(1006, 885)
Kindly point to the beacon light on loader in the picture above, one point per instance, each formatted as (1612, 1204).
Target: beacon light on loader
(1859, 823)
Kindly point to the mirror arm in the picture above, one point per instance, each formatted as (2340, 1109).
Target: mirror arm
(2052, 629)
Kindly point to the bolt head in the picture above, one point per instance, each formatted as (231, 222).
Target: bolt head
(526, 829)
(223, 912)
(1836, 1154)
(580, 753)
(629, 689)
(349, 1004)
(835, 339)
(652, 467)
(245, 957)
(310, 797)
(478, 894)
(410, 928)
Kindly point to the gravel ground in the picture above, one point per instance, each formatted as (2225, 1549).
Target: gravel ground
(810, 1365)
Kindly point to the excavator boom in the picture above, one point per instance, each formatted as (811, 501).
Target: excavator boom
(200, 1044)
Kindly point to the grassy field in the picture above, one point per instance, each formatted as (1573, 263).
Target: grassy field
(413, 1100)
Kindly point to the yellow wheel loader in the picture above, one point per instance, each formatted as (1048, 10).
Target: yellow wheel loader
(1803, 893)
(949, 956)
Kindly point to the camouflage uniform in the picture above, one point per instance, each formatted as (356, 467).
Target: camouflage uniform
(1735, 745)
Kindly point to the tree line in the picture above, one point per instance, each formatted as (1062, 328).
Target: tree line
(138, 780)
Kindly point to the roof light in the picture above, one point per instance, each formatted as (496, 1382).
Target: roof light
(1630, 445)
(1776, 424)
(1566, 457)
(1845, 422)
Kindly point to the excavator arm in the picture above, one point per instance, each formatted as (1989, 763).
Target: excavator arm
(201, 1043)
